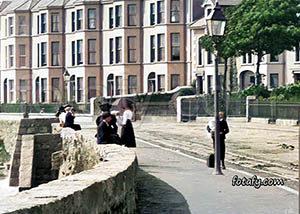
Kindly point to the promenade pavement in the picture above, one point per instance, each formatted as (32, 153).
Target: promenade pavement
(264, 149)
(169, 182)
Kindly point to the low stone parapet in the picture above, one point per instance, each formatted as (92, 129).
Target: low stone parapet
(158, 118)
(204, 119)
(237, 119)
(282, 122)
(260, 120)
(107, 188)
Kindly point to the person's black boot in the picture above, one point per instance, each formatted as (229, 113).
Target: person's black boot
(223, 164)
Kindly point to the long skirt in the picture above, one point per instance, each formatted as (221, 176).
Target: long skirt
(127, 135)
(222, 147)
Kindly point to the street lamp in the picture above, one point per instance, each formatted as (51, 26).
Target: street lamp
(67, 77)
(216, 22)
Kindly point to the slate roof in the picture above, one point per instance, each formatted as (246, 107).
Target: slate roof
(14, 5)
(74, 2)
(4, 4)
(198, 10)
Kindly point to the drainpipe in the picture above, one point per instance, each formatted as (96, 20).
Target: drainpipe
(284, 66)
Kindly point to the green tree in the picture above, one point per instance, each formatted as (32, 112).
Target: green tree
(263, 27)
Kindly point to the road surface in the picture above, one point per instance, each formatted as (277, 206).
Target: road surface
(171, 182)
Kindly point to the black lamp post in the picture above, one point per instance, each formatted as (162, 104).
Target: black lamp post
(216, 22)
(67, 77)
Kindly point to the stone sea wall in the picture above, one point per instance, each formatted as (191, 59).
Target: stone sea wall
(108, 186)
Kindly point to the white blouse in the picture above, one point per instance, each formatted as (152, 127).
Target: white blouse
(62, 117)
(127, 115)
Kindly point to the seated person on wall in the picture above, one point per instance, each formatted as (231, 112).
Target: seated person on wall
(61, 114)
(105, 132)
(105, 108)
(69, 121)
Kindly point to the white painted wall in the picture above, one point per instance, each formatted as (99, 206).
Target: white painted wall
(116, 71)
(105, 9)
(148, 32)
(158, 69)
(107, 35)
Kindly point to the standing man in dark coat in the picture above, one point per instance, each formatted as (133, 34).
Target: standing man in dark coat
(224, 129)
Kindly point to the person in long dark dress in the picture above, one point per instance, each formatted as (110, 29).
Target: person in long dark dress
(69, 122)
(224, 129)
(127, 133)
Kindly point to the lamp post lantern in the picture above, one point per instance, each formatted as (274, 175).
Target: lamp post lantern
(66, 77)
(216, 22)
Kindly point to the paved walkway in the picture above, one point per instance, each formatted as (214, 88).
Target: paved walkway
(269, 150)
(170, 183)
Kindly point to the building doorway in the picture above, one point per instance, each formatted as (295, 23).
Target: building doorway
(199, 87)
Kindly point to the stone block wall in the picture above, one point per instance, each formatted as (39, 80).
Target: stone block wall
(35, 163)
(36, 126)
(27, 127)
(44, 146)
(108, 188)
(25, 173)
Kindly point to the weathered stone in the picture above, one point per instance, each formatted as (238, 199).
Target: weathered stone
(28, 126)
(79, 154)
(56, 160)
(107, 188)
(8, 133)
(35, 166)
(26, 166)
(44, 130)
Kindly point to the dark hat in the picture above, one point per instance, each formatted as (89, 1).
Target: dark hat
(106, 115)
(105, 107)
(61, 109)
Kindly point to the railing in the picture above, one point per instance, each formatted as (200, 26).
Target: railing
(273, 111)
(204, 107)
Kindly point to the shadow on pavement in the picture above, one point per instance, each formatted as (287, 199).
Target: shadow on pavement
(156, 196)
